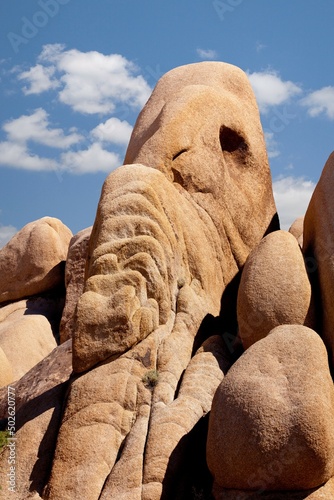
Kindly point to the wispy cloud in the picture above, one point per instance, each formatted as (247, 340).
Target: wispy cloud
(207, 53)
(90, 160)
(39, 79)
(292, 196)
(36, 127)
(17, 155)
(271, 90)
(259, 46)
(272, 146)
(320, 101)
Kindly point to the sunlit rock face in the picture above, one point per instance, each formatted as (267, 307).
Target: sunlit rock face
(173, 228)
(194, 198)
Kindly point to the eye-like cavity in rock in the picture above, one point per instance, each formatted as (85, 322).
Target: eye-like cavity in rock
(195, 199)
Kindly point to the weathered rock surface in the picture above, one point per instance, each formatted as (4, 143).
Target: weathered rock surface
(169, 237)
(25, 338)
(297, 230)
(33, 260)
(274, 288)
(74, 280)
(318, 247)
(119, 411)
(271, 419)
(191, 215)
(39, 398)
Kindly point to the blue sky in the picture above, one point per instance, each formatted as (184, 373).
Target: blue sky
(75, 74)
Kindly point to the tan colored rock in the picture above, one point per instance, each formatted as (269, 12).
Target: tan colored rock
(190, 216)
(39, 398)
(74, 280)
(25, 338)
(297, 229)
(271, 419)
(318, 248)
(274, 288)
(125, 410)
(33, 260)
(169, 237)
(6, 371)
(97, 421)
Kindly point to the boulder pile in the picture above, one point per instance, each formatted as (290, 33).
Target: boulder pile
(182, 347)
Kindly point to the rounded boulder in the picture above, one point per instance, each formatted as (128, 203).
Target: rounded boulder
(33, 260)
(271, 423)
(274, 288)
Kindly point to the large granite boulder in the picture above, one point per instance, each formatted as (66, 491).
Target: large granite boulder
(173, 228)
(274, 288)
(271, 423)
(33, 260)
(318, 247)
(189, 215)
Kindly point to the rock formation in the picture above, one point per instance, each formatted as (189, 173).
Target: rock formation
(187, 309)
(171, 233)
(285, 409)
(318, 247)
(274, 288)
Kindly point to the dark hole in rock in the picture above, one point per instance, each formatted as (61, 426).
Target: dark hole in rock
(230, 140)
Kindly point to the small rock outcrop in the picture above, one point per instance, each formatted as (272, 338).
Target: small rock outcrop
(297, 230)
(25, 338)
(274, 288)
(271, 420)
(33, 261)
(74, 280)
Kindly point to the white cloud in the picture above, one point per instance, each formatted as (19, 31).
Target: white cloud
(292, 196)
(271, 90)
(92, 82)
(36, 127)
(18, 156)
(40, 79)
(320, 101)
(272, 146)
(114, 131)
(93, 159)
(206, 53)
(6, 233)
